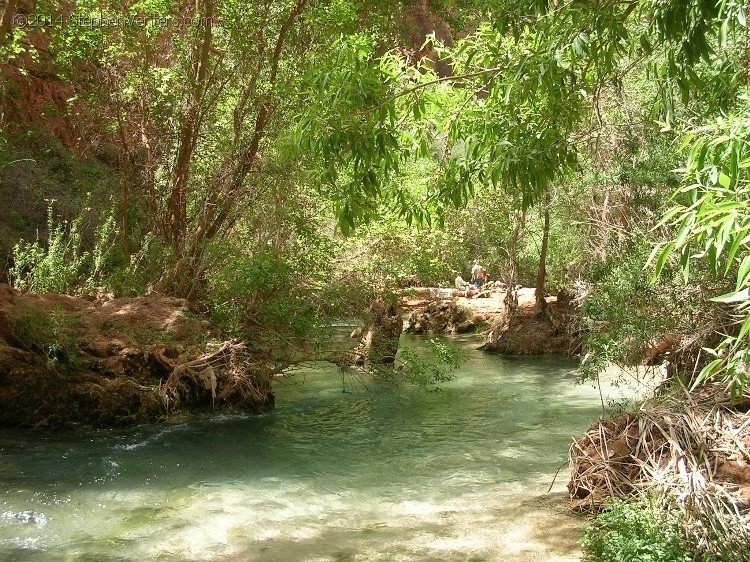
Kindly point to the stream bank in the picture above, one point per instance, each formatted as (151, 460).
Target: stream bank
(527, 332)
(67, 361)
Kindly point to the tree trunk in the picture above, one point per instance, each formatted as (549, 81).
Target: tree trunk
(222, 199)
(125, 175)
(511, 294)
(6, 19)
(188, 137)
(541, 275)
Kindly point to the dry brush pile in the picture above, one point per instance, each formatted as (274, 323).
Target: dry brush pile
(221, 372)
(691, 449)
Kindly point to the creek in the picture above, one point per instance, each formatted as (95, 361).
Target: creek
(344, 468)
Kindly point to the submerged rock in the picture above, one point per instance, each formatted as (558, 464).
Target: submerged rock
(66, 360)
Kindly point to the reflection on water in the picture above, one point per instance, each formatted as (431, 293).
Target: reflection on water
(381, 472)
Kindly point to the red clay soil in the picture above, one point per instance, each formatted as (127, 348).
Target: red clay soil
(67, 361)
(529, 332)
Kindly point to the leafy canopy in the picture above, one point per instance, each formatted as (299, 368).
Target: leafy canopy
(513, 109)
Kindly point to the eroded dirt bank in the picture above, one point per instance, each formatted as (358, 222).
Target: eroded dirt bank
(527, 332)
(67, 361)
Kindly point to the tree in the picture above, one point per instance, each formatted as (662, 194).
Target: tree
(711, 217)
(512, 112)
(518, 96)
(198, 94)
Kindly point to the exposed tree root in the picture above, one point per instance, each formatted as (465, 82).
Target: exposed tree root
(223, 376)
(68, 361)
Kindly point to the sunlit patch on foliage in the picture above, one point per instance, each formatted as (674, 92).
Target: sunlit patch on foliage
(712, 224)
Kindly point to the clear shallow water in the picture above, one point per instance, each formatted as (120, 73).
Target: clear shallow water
(381, 472)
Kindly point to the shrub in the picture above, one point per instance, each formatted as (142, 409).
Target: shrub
(265, 290)
(635, 532)
(50, 333)
(62, 265)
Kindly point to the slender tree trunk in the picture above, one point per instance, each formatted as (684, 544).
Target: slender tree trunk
(125, 175)
(153, 205)
(228, 198)
(6, 20)
(148, 166)
(541, 275)
(125, 179)
(511, 295)
(188, 136)
(603, 225)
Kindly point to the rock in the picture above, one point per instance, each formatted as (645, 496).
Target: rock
(464, 327)
(442, 317)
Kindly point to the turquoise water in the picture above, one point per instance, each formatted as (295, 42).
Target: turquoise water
(373, 472)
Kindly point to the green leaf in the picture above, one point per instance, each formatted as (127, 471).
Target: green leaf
(685, 259)
(745, 329)
(742, 273)
(686, 230)
(733, 249)
(711, 256)
(723, 33)
(645, 43)
(733, 297)
(661, 261)
(708, 372)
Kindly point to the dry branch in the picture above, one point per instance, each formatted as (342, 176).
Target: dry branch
(689, 448)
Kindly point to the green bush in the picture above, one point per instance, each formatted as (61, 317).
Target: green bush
(137, 273)
(63, 265)
(635, 532)
(276, 293)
